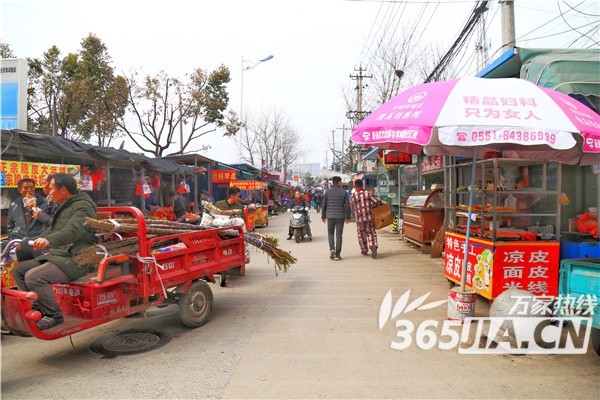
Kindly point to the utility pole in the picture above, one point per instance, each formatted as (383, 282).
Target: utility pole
(357, 115)
(343, 154)
(333, 146)
(180, 124)
(507, 11)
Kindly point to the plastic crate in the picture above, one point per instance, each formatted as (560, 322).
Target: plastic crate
(580, 277)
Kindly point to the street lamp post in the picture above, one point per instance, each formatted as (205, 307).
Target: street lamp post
(246, 65)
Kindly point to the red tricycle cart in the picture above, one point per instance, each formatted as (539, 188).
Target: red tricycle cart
(122, 285)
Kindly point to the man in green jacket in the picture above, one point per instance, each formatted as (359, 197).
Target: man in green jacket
(65, 238)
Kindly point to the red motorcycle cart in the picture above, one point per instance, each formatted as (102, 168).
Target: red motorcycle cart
(123, 285)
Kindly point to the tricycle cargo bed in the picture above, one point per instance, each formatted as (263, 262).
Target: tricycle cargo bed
(165, 269)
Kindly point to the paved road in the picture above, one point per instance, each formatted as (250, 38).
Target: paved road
(310, 333)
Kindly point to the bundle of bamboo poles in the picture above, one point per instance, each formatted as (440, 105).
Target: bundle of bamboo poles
(268, 244)
(93, 254)
(153, 227)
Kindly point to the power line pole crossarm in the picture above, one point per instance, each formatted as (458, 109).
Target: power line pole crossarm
(357, 115)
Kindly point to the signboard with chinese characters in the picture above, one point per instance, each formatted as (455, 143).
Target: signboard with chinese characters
(492, 269)
(223, 175)
(432, 163)
(480, 262)
(250, 185)
(14, 171)
(392, 157)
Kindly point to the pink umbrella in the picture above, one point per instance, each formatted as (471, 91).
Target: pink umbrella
(510, 115)
(462, 116)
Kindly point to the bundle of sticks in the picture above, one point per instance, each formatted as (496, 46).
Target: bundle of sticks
(268, 244)
(127, 225)
(93, 254)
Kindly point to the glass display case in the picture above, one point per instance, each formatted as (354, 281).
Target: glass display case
(515, 226)
(512, 199)
(423, 215)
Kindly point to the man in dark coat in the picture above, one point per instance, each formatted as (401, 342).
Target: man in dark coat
(21, 220)
(46, 217)
(335, 209)
(66, 237)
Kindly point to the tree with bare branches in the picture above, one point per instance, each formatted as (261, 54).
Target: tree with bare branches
(269, 140)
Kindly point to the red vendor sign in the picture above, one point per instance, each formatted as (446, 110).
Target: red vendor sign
(393, 157)
(223, 175)
(495, 267)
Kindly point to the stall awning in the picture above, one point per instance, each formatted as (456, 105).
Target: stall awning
(245, 175)
(372, 154)
(26, 146)
(575, 72)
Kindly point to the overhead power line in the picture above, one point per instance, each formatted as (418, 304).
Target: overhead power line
(480, 8)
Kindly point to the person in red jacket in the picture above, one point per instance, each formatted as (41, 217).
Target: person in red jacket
(300, 200)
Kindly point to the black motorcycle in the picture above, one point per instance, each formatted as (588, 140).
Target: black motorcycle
(299, 223)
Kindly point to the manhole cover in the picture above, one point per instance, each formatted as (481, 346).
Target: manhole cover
(132, 341)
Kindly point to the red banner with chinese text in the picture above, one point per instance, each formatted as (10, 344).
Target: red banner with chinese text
(531, 266)
(223, 175)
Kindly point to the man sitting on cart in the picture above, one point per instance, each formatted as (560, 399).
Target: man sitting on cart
(66, 237)
(21, 220)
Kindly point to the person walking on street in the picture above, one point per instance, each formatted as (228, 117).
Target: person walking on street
(317, 199)
(335, 209)
(361, 202)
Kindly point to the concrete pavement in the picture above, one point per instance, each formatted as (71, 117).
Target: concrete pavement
(309, 333)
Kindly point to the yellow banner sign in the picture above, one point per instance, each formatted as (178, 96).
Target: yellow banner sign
(250, 185)
(11, 172)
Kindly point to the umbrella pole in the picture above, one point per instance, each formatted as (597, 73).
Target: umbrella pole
(463, 275)
(461, 301)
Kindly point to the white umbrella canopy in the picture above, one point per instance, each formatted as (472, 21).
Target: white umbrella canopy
(510, 115)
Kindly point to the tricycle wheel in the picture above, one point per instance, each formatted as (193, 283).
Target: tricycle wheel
(223, 280)
(195, 305)
(596, 340)
(297, 237)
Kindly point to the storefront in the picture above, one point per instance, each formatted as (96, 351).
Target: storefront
(109, 176)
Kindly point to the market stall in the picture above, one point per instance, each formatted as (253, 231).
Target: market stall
(514, 226)
(258, 215)
(112, 175)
